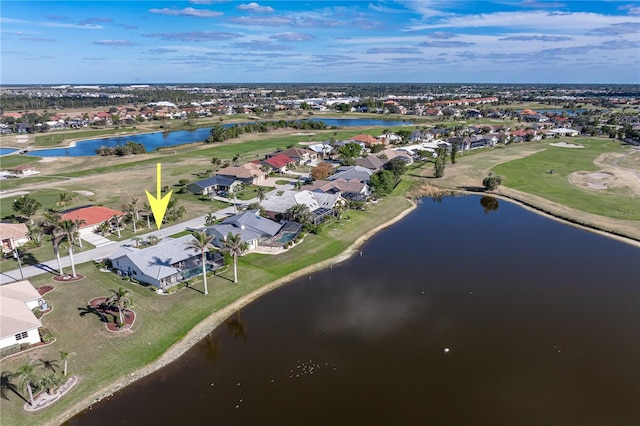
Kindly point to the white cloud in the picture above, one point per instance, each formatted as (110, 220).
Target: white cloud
(291, 36)
(73, 26)
(539, 20)
(117, 43)
(187, 11)
(256, 8)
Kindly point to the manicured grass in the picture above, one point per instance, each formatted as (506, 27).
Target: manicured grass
(10, 161)
(102, 357)
(531, 175)
(58, 138)
(251, 192)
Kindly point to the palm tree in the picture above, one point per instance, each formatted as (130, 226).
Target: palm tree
(147, 213)
(261, 195)
(136, 240)
(236, 248)
(79, 222)
(26, 378)
(64, 198)
(210, 220)
(236, 159)
(117, 220)
(69, 228)
(47, 364)
(64, 357)
(215, 165)
(57, 234)
(120, 298)
(201, 243)
(132, 210)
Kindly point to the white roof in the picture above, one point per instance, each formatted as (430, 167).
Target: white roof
(15, 315)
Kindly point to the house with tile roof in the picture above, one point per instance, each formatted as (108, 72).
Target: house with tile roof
(368, 140)
(347, 189)
(249, 173)
(300, 155)
(165, 264)
(13, 235)
(18, 324)
(252, 228)
(279, 163)
(91, 217)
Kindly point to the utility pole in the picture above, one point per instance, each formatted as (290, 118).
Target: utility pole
(16, 255)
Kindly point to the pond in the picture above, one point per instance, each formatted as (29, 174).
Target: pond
(468, 311)
(152, 141)
(5, 151)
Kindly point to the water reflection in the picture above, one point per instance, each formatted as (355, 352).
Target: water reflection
(489, 204)
(236, 326)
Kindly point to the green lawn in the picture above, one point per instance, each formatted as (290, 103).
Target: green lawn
(102, 357)
(531, 175)
(58, 138)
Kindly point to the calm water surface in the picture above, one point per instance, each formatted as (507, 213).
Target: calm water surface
(152, 141)
(542, 322)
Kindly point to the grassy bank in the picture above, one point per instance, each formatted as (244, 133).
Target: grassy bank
(102, 357)
(532, 174)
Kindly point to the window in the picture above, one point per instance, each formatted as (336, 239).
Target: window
(22, 335)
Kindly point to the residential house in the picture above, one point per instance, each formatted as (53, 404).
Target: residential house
(371, 162)
(91, 217)
(165, 264)
(390, 154)
(249, 173)
(300, 155)
(252, 228)
(18, 324)
(350, 190)
(213, 185)
(367, 140)
(279, 162)
(352, 172)
(320, 204)
(13, 235)
(564, 132)
(24, 170)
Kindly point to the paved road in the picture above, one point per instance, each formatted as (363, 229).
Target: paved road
(96, 253)
(108, 249)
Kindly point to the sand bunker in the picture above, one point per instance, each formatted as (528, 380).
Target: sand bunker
(303, 134)
(47, 160)
(566, 145)
(85, 193)
(593, 180)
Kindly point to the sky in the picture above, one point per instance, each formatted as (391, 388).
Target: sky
(297, 41)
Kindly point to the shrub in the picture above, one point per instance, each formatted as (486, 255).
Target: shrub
(31, 244)
(183, 181)
(492, 182)
(10, 350)
(37, 312)
(45, 335)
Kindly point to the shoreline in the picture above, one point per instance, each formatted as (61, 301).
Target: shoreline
(213, 321)
(558, 218)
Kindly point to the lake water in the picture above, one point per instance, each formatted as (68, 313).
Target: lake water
(152, 141)
(5, 151)
(541, 321)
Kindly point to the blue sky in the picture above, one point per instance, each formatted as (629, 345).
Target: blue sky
(209, 41)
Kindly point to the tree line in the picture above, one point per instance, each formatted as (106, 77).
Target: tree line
(219, 133)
